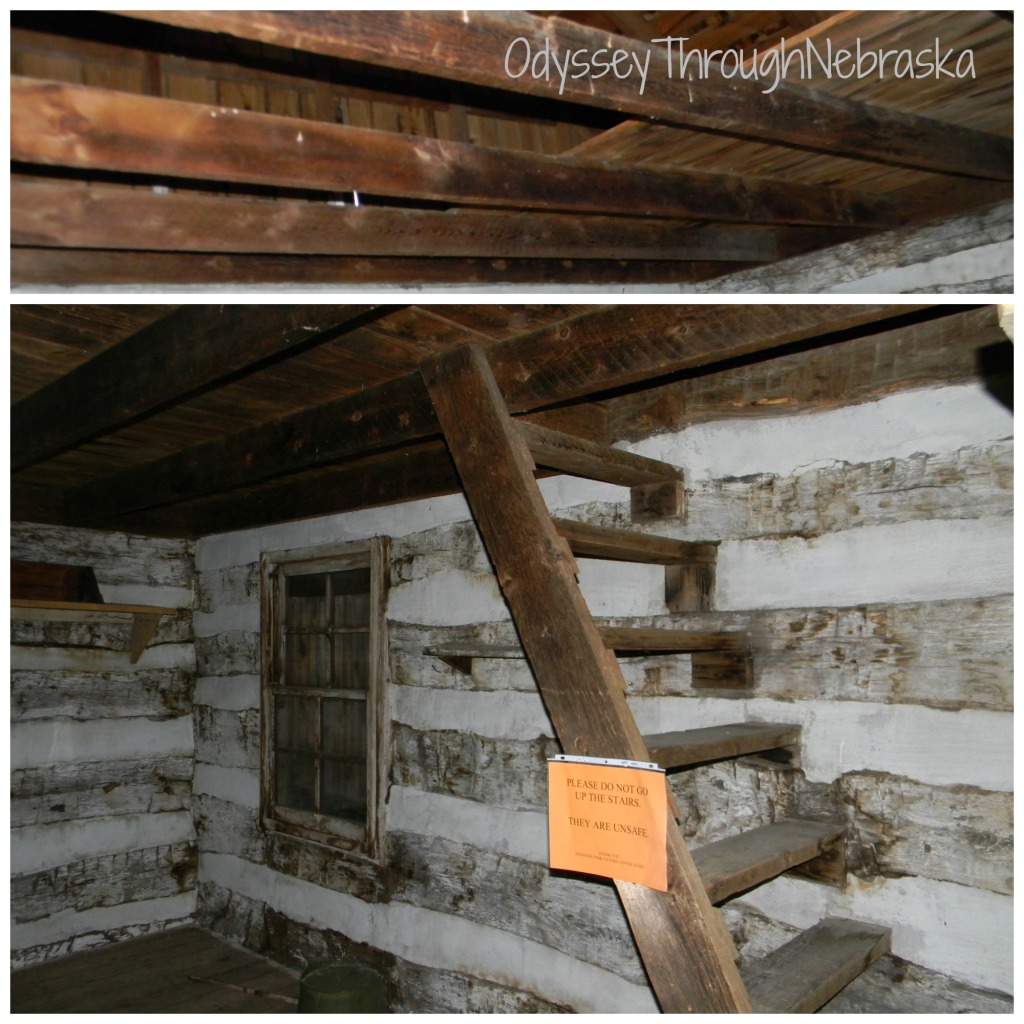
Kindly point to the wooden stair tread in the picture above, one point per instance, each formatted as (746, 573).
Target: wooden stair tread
(717, 742)
(740, 862)
(590, 541)
(624, 638)
(718, 660)
(580, 457)
(808, 971)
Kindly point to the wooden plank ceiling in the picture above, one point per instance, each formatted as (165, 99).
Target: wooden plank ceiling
(190, 147)
(199, 419)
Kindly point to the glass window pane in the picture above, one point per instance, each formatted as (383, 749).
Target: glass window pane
(295, 723)
(343, 789)
(305, 602)
(323, 754)
(344, 729)
(306, 659)
(296, 778)
(351, 589)
(352, 661)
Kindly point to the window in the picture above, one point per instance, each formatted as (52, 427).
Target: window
(324, 666)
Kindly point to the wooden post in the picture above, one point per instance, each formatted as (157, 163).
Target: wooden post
(685, 947)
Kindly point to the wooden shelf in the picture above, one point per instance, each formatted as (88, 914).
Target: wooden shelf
(144, 617)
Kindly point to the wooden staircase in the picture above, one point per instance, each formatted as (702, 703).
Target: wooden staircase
(687, 951)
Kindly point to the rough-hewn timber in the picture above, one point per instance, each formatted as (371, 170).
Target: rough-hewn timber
(791, 114)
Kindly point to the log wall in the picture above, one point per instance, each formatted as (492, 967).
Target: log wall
(103, 846)
(866, 549)
(968, 255)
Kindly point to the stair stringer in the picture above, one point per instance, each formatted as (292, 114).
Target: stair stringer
(686, 949)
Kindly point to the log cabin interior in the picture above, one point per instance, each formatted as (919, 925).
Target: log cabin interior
(304, 597)
(196, 149)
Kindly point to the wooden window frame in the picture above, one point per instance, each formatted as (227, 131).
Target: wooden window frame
(361, 841)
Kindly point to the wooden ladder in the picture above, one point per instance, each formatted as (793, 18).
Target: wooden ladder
(687, 951)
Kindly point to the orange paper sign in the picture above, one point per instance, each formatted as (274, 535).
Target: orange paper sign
(608, 818)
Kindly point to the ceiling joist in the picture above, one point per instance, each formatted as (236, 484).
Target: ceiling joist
(33, 265)
(353, 148)
(471, 46)
(101, 129)
(601, 350)
(188, 351)
(90, 217)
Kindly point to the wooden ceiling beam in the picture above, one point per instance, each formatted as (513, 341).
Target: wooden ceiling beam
(32, 265)
(421, 470)
(604, 349)
(85, 128)
(471, 46)
(34, 503)
(180, 355)
(71, 215)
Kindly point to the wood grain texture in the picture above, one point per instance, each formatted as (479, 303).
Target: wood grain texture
(180, 971)
(934, 352)
(32, 265)
(101, 833)
(600, 350)
(79, 790)
(155, 694)
(105, 880)
(592, 541)
(190, 350)
(498, 890)
(892, 260)
(638, 639)
(684, 944)
(804, 974)
(690, 587)
(451, 44)
(82, 216)
(740, 862)
(722, 670)
(121, 132)
(713, 743)
(581, 457)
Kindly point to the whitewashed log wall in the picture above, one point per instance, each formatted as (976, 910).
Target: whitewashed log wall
(102, 846)
(969, 254)
(867, 549)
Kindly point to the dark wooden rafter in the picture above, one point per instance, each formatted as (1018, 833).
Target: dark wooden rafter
(182, 354)
(601, 350)
(685, 947)
(99, 129)
(72, 215)
(419, 470)
(471, 46)
(32, 265)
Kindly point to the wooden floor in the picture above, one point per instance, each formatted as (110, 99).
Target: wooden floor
(180, 971)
